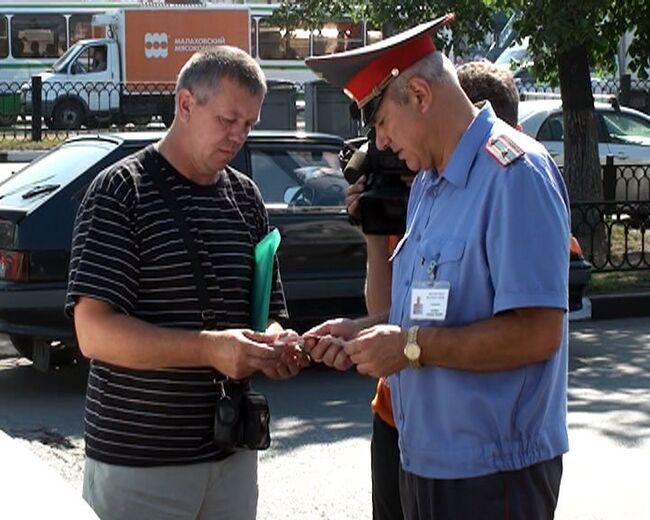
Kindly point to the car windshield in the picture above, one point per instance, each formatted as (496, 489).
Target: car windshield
(57, 168)
(299, 177)
(626, 128)
(516, 52)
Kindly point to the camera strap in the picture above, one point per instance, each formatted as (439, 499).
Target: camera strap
(156, 174)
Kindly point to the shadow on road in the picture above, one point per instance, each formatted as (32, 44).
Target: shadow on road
(319, 406)
(609, 375)
(47, 407)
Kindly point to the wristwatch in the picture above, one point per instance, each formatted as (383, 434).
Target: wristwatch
(412, 350)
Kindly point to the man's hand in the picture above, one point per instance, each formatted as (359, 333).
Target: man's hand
(378, 351)
(237, 353)
(352, 195)
(292, 357)
(325, 342)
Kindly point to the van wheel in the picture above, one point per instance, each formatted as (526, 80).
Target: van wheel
(139, 120)
(68, 115)
(59, 355)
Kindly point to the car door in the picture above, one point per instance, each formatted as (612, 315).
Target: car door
(322, 256)
(551, 135)
(628, 140)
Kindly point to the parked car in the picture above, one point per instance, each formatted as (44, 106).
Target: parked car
(623, 133)
(322, 257)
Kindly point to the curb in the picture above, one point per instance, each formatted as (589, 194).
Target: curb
(620, 305)
(20, 155)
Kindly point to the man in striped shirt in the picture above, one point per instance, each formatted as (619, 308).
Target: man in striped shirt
(156, 371)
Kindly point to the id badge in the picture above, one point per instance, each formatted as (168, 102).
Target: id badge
(429, 301)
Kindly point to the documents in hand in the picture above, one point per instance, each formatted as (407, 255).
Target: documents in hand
(263, 279)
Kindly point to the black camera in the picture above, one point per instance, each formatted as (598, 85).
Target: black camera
(241, 419)
(382, 205)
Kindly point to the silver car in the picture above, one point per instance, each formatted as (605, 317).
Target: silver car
(623, 133)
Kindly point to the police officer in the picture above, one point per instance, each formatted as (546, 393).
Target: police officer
(475, 343)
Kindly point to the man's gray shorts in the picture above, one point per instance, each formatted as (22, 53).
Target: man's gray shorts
(225, 489)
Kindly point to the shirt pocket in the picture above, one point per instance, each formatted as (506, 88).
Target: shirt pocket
(444, 256)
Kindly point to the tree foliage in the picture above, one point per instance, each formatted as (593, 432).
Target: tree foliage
(558, 26)
(473, 18)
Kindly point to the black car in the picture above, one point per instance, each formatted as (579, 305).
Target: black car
(322, 257)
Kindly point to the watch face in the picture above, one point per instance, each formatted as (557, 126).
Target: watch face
(412, 351)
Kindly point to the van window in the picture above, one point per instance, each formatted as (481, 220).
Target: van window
(38, 36)
(373, 35)
(299, 177)
(80, 27)
(91, 59)
(276, 43)
(4, 42)
(337, 37)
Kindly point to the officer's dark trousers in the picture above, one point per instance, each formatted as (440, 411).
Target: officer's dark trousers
(527, 494)
(384, 457)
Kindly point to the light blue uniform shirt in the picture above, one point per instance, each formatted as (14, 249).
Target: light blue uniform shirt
(500, 237)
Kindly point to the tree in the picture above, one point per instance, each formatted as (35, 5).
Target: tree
(569, 38)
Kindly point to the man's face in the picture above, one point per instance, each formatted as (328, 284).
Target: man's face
(399, 127)
(218, 128)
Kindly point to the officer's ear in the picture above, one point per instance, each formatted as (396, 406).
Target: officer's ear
(421, 93)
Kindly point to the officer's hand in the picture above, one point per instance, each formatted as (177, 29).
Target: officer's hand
(237, 353)
(352, 195)
(378, 351)
(325, 342)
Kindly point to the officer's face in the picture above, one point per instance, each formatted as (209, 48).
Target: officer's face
(398, 127)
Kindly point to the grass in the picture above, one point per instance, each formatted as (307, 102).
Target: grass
(621, 281)
(628, 247)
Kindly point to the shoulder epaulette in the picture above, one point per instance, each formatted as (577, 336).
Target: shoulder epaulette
(504, 149)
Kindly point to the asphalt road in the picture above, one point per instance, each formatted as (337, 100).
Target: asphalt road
(319, 465)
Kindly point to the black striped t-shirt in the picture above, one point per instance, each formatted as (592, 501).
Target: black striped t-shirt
(128, 251)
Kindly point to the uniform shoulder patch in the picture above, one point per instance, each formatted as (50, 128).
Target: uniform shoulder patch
(503, 149)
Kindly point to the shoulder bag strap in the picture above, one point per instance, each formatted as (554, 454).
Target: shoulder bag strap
(207, 313)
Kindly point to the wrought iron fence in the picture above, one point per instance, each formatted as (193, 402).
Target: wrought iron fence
(53, 111)
(615, 236)
(634, 93)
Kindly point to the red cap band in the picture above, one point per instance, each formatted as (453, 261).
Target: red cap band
(400, 57)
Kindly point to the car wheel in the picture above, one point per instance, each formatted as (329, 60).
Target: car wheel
(24, 345)
(68, 115)
(59, 355)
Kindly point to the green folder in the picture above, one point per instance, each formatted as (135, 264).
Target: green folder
(263, 279)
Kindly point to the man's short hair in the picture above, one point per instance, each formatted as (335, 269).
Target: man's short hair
(482, 80)
(203, 72)
(435, 68)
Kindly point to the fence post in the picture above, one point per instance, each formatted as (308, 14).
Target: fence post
(37, 108)
(609, 179)
(625, 93)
